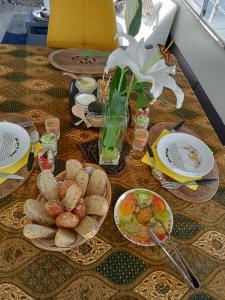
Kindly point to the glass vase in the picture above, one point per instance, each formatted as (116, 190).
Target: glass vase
(111, 139)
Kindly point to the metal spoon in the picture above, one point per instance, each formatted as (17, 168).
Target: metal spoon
(182, 266)
(180, 257)
(34, 138)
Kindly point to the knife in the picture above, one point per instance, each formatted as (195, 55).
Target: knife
(155, 172)
(202, 181)
(23, 124)
(178, 126)
(11, 176)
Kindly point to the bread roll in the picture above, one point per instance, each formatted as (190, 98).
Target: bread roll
(87, 228)
(97, 183)
(96, 205)
(64, 237)
(73, 166)
(48, 185)
(72, 197)
(82, 179)
(54, 208)
(80, 209)
(35, 231)
(35, 210)
(67, 220)
(64, 187)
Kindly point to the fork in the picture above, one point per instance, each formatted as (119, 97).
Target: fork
(172, 185)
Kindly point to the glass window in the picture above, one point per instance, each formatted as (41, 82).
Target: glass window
(212, 13)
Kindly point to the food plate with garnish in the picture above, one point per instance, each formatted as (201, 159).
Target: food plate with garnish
(138, 209)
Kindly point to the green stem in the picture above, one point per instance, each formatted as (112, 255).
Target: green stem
(130, 88)
(170, 44)
(121, 78)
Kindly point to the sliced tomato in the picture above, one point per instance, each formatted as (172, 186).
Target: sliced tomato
(158, 204)
(128, 205)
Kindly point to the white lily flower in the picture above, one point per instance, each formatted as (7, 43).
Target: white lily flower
(146, 66)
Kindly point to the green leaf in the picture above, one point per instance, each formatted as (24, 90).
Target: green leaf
(136, 22)
(117, 105)
(115, 84)
(137, 87)
(142, 100)
(91, 53)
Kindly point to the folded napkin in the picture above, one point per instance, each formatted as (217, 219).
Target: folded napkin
(179, 178)
(20, 164)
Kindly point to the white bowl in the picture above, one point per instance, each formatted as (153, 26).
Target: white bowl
(86, 84)
(152, 194)
(84, 100)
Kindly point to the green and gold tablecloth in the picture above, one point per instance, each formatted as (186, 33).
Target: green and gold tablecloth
(108, 266)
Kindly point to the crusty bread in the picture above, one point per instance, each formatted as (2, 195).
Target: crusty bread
(97, 183)
(35, 231)
(72, 197)
(87, 228)
(64, 237)
(67, 220)
(64, 187)
(35, 210)
(73, 166)
(47, 185)
(80, 209)
(82, 179)
(96, 205)
(54, 208)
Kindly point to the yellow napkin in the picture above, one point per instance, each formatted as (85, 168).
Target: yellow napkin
(179, 178)
(20, 164)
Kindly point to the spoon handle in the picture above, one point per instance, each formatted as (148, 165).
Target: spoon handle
(180, 257)
(191, 279)
(192, 276)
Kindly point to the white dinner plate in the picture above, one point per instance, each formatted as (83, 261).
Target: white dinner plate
(185, 154)
(14, 143)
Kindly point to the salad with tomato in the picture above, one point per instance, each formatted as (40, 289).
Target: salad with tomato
(138, 209)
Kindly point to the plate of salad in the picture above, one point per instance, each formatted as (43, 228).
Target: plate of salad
(138, 209)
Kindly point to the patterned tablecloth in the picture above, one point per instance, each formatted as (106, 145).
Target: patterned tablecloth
(108, 266)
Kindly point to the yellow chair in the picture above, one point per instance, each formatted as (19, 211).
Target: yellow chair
(82, 24)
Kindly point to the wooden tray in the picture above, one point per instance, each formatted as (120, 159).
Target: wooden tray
(69, 60)
(10, 186)
(49, 245)
(204, 192)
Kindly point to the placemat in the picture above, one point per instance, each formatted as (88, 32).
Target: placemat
(91, 153)
(203, 192)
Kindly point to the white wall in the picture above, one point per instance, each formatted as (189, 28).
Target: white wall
(203, 54)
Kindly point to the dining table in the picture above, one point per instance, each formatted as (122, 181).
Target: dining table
(107, 266)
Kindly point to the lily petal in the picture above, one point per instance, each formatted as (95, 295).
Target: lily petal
(146, 65)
